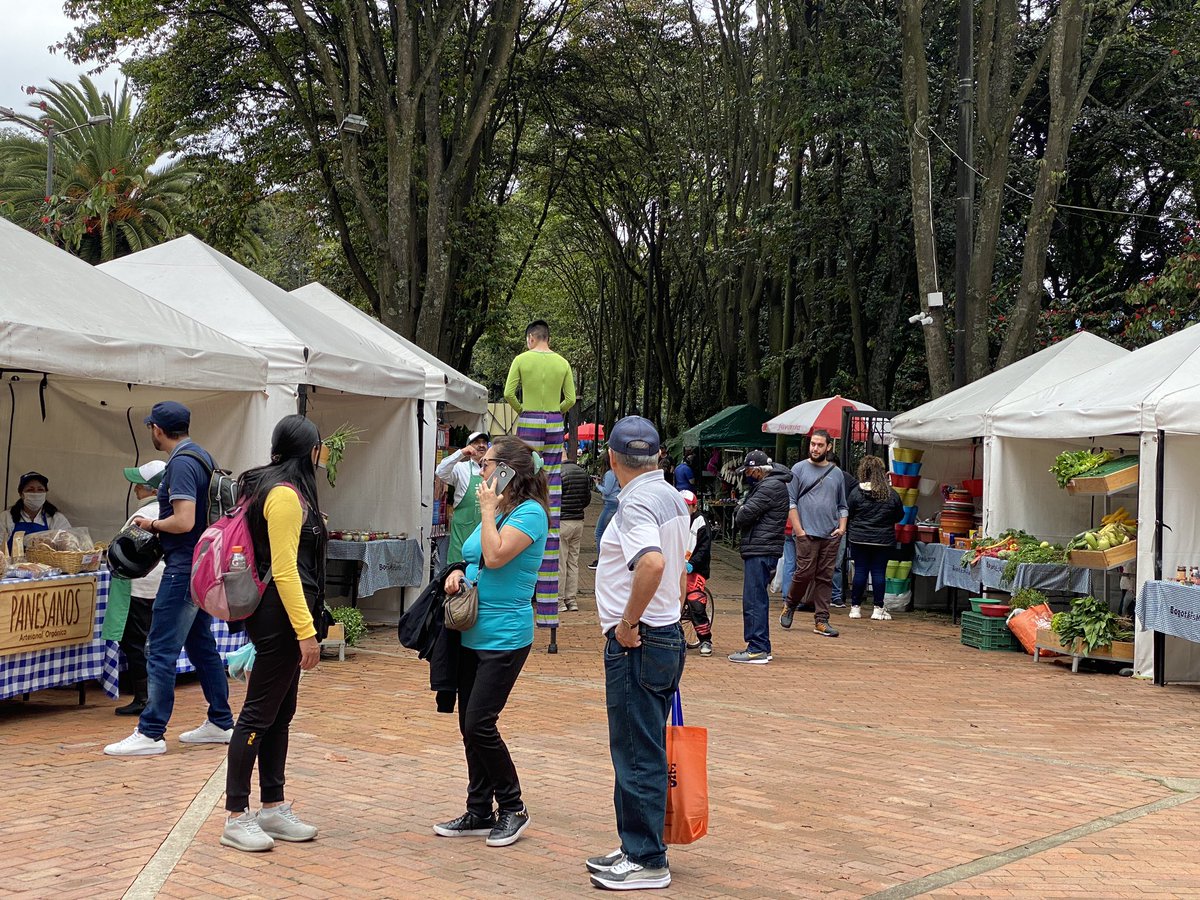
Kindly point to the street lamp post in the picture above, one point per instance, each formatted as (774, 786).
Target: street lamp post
(8, 114)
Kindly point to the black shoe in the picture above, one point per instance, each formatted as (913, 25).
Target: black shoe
(133, 708)
(594, 564)
(466, 825)
(508, 828)
(837, 604)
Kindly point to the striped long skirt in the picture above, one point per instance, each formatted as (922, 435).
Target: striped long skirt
(544, 432)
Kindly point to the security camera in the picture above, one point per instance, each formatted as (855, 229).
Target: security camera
(913, 320)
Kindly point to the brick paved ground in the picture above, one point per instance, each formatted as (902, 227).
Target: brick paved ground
(845, 768)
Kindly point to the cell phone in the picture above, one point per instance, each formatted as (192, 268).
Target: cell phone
(501, 477)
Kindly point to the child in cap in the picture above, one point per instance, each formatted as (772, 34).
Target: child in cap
(699, 559)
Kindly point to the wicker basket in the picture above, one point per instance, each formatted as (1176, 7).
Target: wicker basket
(72, 562)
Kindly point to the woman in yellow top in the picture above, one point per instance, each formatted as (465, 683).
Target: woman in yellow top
(289, 538)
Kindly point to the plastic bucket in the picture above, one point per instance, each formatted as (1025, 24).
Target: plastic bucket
(904, 569)
(896, 585)
(906, 534)
(909, 496)
(905, 481)
(893, 569)
(977, 602)
(974, 486)
(907, 454)
(910, 515)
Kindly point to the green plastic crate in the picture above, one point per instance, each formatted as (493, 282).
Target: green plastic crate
(896, 585)
(987, 633)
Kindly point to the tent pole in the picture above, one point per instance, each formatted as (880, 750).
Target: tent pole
(1160, 639)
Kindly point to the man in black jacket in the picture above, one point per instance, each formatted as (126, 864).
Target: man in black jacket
(576, 495)
(761, 518)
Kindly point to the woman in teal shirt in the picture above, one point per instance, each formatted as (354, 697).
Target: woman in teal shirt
(503, 556)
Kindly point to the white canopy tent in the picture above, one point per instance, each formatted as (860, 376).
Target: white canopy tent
(1120, 405)
(84, 357)
(338, 374)
(949, 426)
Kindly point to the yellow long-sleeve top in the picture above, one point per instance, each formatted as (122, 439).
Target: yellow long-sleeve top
(285, 517)
(545, 381)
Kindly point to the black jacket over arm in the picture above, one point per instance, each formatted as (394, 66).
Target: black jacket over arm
(702, 556)
(423, 628)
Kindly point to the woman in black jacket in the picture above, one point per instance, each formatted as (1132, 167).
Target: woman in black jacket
(874, 511)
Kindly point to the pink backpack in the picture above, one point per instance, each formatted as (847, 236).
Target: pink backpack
(223, 592)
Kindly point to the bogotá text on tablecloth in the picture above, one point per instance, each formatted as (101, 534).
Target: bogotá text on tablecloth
(1188, 614)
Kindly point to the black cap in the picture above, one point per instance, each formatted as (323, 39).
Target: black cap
(755, 459)
(32, 476)
(171, 417)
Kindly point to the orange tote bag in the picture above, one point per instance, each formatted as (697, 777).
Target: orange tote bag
(687, 780)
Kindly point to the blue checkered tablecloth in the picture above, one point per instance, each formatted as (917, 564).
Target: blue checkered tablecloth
(1171, 608)
(385, 564)
(927, 558)
(953, 574)
(1043, 576)
(23, 673)
(226, 644)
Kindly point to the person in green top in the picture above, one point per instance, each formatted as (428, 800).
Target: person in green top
(541, 389)
(460, 470)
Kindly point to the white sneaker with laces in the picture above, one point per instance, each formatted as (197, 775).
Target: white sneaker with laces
(881, 615)
(244, 833)
(626, 875)
(208, 733)
(284, 825)
(855, 613)
(137, 744)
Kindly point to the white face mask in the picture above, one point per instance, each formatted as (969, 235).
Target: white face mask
(34, 501)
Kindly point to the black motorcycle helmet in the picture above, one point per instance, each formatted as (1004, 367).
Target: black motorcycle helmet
(134, 553)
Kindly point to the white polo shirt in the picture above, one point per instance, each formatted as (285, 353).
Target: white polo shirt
(651, 517)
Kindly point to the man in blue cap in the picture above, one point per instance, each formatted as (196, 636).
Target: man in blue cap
(177, 622)
(640, 582)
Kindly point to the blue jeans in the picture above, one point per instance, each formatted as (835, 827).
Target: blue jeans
(756, 604)
(869, 559)
(789, 563)
(606, 514)
(639, 686)
(179, 623)
(837, 571)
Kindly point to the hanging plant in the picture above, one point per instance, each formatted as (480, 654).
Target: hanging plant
(335, 448)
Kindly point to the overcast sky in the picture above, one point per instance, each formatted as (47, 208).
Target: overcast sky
(27, 30)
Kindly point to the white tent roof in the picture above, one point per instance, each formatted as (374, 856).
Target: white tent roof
(1118, 397)
(960, 415)
(62, 316)
(443, 382)
(302, 345)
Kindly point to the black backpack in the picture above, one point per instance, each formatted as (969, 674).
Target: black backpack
(222, 487)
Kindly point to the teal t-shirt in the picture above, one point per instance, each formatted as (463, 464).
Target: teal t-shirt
(506, 594)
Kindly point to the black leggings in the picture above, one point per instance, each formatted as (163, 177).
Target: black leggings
(485, 680)
(261, 731)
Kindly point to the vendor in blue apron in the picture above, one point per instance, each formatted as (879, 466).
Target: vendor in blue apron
(33, 511)
(460, 470)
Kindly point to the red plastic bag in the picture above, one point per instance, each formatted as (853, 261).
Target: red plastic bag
(687, 784)
(1025, 624)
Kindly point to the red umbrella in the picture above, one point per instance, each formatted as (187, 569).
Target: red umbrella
(587, 431)
(808, 417)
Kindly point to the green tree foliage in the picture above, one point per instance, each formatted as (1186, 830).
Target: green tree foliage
(113, 192)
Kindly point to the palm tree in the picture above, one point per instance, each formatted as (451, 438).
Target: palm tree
(112, 195)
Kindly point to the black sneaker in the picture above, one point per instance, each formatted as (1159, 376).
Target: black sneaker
(508, 828)
(466, 825)
(594, 564)
(785, 618)
(837, 604)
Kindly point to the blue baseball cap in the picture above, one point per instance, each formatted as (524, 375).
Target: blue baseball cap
(634, 436)
(170, 416)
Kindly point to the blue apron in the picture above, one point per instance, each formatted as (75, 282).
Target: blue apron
(27, 528)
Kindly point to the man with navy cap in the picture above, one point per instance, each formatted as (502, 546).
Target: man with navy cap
(640, 582)
(177, 622)
(460, 471)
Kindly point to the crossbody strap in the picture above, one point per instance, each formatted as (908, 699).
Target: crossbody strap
(824, 475)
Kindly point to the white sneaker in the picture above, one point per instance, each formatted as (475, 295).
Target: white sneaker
(208, 733)
(244, 833)
(284, 825)
(855, 613)
(137, 744)
(881, 615)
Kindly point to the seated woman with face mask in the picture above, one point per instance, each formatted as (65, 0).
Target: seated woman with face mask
(32, 512)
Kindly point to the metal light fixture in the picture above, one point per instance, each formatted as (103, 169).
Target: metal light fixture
(353, 124)
(102, 119)
(6, 113)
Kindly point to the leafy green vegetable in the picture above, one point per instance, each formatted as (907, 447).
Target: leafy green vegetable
(1090, 621)
(337, 443)
(1027, 597)
(352, 620)
(1073, 463)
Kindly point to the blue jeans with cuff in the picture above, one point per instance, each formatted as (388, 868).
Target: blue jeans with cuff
(757, 572)
(177, 624)
(640, 683)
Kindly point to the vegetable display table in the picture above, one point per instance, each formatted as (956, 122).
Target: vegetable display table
(1167, 607)
(395, 562)
(1043, 576)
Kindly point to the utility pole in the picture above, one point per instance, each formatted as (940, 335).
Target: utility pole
(964, 212)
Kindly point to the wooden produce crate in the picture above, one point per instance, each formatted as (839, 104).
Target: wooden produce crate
(1104, 559)
(1117, 651)
(1110, 478)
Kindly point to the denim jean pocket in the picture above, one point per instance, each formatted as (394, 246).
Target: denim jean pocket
(661, 664)
(613, 651)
